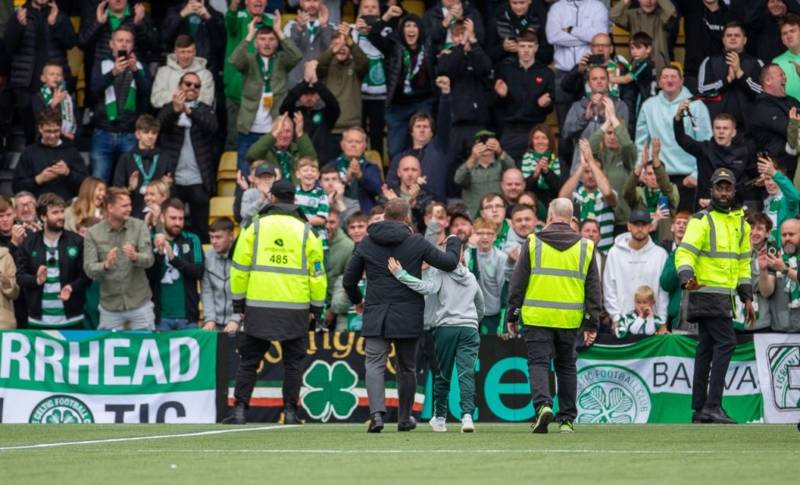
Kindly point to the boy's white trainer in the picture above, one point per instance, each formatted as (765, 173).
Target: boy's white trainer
(467, 426)
(438, 424)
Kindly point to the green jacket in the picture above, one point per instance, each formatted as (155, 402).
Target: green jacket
(634, 194)
(790, 204)
(264, 149)
(286, 57)
(344, 81)
(236, 28)
(479, 181)
(617, 164)
(670, 283)
(340, 248)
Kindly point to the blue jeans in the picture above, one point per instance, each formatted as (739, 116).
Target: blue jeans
(167, 324)
(243, 144)
(397, 123)
(107, 147)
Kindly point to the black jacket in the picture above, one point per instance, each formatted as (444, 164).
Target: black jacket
(204, 128)
(209, 38)
(768, 121)
(36, 44)
(763, 34)
(126, 120)
(35, 158)
(189, 263)
(393, 310)
(126, 165)
(317, 121)
(387, 37)
(520, 107)
(470, 84)
(436, 32)
(506, 25)
(703, 30)
(740, 158)
(561, 237)
(32, 254)
(736, 97)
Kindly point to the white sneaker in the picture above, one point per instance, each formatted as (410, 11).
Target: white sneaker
(438, 424)
(467, 426)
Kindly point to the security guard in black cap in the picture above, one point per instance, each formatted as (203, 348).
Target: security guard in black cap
(713, 263)
(278, 281)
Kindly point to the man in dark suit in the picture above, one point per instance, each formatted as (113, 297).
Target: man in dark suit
(393, 312)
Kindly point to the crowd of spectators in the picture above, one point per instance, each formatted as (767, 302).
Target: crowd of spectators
(476, 113)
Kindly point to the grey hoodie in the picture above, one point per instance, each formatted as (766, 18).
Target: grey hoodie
(217, 297)
(460, 299)
(492, 277)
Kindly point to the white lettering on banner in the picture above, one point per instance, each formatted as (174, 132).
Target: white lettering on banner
(76, 361)
(175, 345)
(149, 353)
(19, 356)
(674, 374)
(53, 360)
(112, 361)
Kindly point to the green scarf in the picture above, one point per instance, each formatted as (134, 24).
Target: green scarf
(286, 162)
(410, 72)
(147, 175)
(531, 158)
(194, 21)
(502, 235)
(354, 320)
(313, 30)
(114, 22)
(792, 287)
(266, 73)
(65, 108)
(651, 198)
(111, 102)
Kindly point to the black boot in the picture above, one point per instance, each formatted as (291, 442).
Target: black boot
(407, 425)
(375, 423)
(290, 415)
(236, 416)
(718, 415)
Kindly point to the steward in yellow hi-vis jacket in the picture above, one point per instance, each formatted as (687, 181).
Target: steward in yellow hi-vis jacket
(556, 290)
(278, 281)
(713, 262)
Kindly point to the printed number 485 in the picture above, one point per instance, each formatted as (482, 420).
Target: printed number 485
(279, 259)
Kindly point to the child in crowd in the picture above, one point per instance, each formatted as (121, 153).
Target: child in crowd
(137, 168)
(255, 198)
(489, 269)
(155, 194)
(357, 225)
(54, 94)
(436, 223)
(540, 164)
(455, 335)
(643, 320)
(594, 196)
(334, 188)
(639, 83)
(311, 199)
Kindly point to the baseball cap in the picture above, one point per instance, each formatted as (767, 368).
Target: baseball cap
(640, 215)
(283, 190)
(266, 169)
(723, 175)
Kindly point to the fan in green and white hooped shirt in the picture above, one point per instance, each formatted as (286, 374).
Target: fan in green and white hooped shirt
(531, 158)
(114, 106)
(53, 314)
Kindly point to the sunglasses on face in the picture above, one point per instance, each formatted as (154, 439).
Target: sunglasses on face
(191, 84)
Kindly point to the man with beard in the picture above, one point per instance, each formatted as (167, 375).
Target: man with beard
(50, 270)
(177, 270)
(713, 261)
(785, 304)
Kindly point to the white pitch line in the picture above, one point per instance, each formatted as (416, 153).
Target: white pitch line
(323, 451)
(142, 438)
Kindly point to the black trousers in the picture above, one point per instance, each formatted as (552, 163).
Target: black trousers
(196, 197)
(715, 346)
(515, 141)
(543, 342)
(23, 100)
(251, 353)
(373, 121)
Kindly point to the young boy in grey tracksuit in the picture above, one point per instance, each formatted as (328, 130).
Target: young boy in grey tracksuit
(458, 309)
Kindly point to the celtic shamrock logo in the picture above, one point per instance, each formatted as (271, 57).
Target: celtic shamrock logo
(601, 407)
(57, 416)
(61, 409)
(329, 390)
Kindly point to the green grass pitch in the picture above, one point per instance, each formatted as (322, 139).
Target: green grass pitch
(497, 454)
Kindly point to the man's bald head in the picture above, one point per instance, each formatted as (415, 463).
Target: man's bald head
(512, 185)
(560, 210)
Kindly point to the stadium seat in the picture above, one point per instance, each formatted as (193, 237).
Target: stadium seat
(416, 7)
(226, 188)
(220, 207)
(227, 166)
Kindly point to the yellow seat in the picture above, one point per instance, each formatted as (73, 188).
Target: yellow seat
(227, 166)
(226, 188)
(220, 207)
(414, 6)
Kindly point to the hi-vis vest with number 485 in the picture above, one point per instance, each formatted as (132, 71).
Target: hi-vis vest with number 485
(555, 294)
(278, 264)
